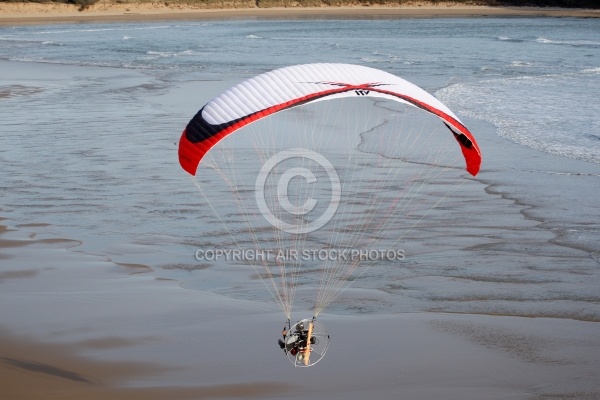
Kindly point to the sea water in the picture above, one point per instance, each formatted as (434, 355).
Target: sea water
(533, 78)
(91, 115)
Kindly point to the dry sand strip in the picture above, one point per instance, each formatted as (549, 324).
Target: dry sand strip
(43, 13)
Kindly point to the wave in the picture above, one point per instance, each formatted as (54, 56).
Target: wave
(111, 29)
(591, 70)
(106, 64)
(544, 40)
(166, 54)
(531, 111)
(507, 39)
(576, 43)
(9, 40)
(520, 64)
(382, 58)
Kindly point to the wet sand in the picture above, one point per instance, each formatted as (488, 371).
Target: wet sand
(35, 13)
(77, 326)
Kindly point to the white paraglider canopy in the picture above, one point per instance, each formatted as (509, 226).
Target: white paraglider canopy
(324, 170)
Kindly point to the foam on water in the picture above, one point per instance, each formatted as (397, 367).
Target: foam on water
(557, 114)
(589, 43)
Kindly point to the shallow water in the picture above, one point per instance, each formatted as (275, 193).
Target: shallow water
(503, 70)
(91, 116)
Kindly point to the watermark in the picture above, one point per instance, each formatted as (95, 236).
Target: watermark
(283, 203)
(284, 255)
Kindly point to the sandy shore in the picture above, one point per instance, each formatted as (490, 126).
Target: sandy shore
(36, 13)
(81, 327)
(77, 326)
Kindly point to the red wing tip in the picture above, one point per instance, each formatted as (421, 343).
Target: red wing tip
(187, 156)
(473, 169)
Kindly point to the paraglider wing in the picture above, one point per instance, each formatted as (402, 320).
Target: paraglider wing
(289, 87)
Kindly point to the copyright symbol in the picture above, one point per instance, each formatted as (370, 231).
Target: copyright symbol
(281, 202)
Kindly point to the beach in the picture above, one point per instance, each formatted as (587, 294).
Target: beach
(40, 13)
(76, 326)
(101, 296)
